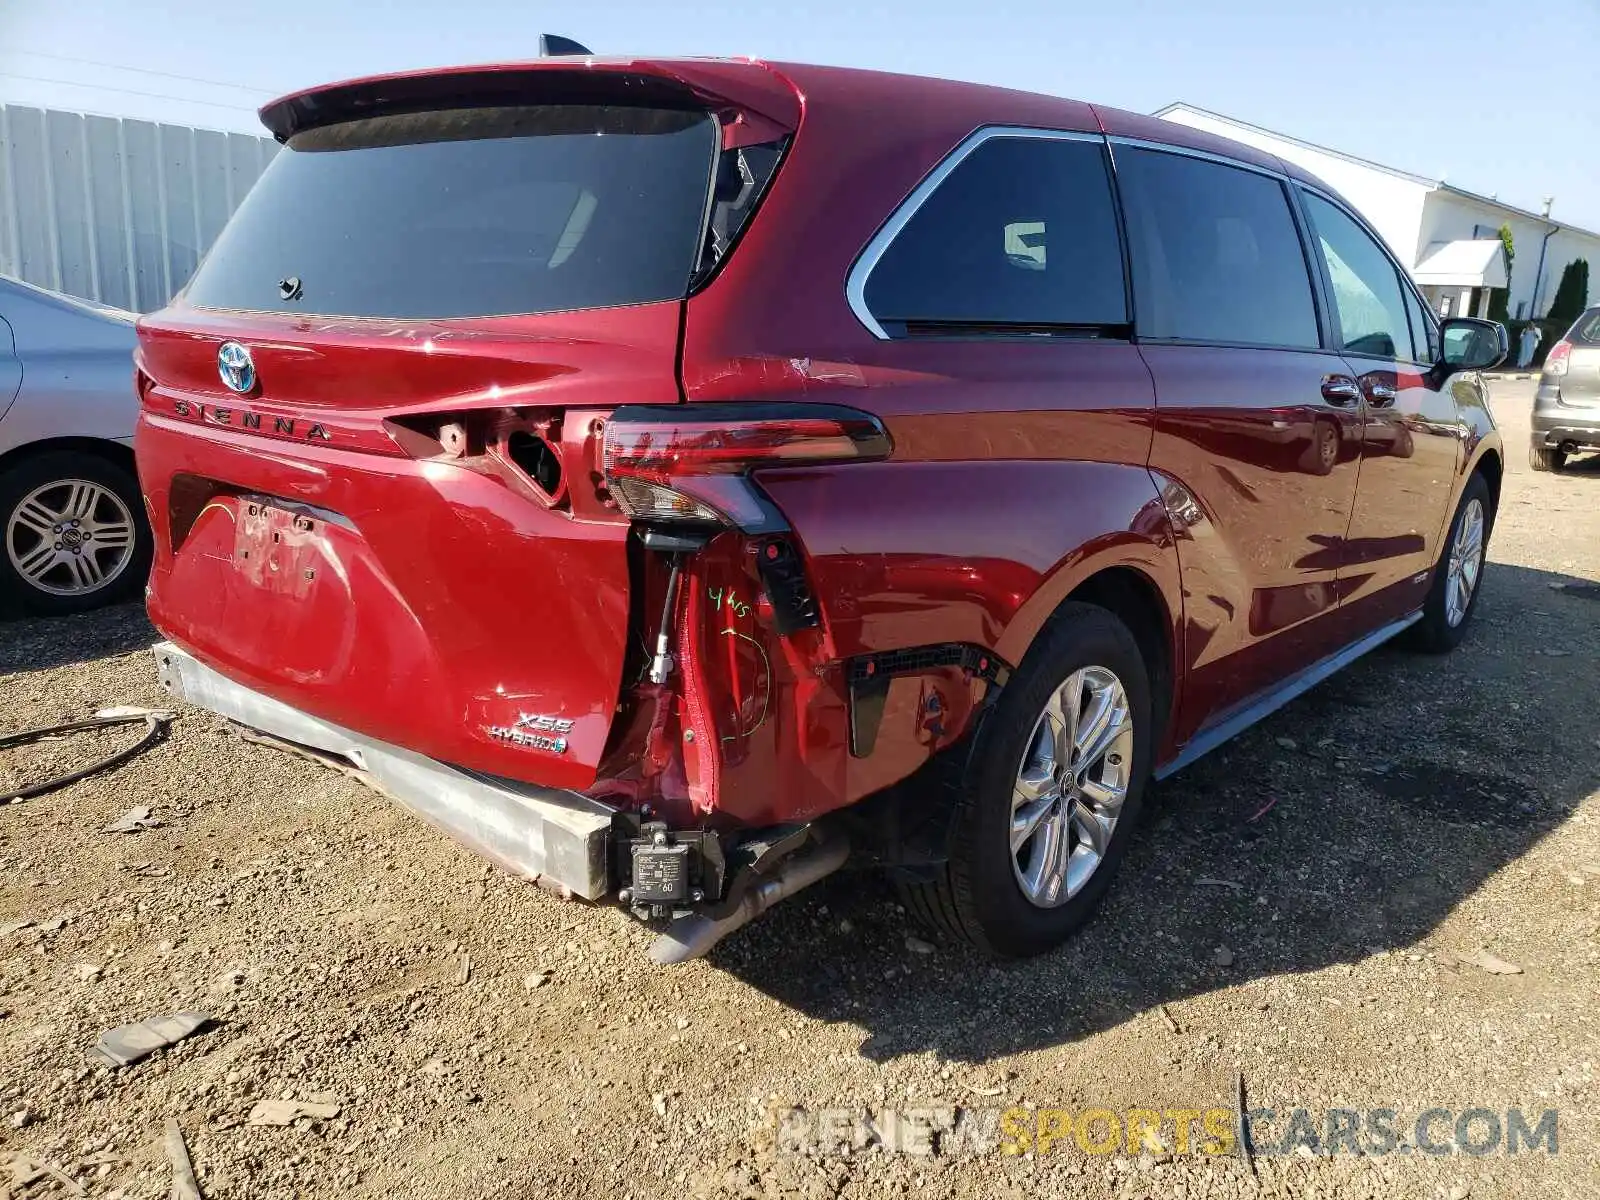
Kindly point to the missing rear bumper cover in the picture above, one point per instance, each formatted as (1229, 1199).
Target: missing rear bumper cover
(869, 676)
(545, 834)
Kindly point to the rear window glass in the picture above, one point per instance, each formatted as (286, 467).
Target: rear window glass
(471, 212)
(1587, 330)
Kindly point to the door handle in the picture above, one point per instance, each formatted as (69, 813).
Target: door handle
(1380, 392)
(1340, 390)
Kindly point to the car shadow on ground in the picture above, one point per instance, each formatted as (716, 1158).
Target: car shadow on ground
(1397, 788)
(1587, 465)
(40, 643)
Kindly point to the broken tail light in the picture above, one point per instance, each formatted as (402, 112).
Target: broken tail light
(694, 462)
(546, 454)
(1555, 363)
(688, 474)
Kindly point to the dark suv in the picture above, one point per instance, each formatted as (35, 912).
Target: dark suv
(676, 478)
(1566, 408)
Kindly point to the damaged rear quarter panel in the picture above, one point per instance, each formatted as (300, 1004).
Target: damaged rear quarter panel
(916, 554)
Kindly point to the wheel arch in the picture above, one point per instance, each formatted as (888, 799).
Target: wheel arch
(1132, 592)
(1133, 597)
(1492, 467)
(113, 452)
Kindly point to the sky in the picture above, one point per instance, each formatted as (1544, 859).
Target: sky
(1497, 98)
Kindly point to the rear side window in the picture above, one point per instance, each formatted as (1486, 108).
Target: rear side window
(471, 212)
(1367, 297)
(1587, 329)
(1216, 255)
(1020, 236)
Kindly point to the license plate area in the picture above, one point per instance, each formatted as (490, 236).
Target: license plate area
(275, 547)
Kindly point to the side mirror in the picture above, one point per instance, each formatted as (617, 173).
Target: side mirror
(1469, 344)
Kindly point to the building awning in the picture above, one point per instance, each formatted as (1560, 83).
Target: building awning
(1473, 262)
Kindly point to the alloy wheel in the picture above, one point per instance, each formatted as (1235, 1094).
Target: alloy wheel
(1070, 786)
(70, 537)
(1465, 565)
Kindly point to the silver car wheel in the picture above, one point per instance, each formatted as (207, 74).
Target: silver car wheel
(1070, 786)
(1465, 565)
(70, 537)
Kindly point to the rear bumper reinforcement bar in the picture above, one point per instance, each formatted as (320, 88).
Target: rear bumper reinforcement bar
(544, 834)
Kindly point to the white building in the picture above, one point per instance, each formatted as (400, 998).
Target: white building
(1447, 236)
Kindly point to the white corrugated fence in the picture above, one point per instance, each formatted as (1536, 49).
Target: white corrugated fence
(113, 210)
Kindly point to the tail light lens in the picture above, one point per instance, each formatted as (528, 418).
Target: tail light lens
(693, 462)
(1555, 363)
(645, 501)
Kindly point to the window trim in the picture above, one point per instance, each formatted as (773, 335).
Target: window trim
(1407, 284)
(1285, 184)
(1221, 160)
(855, 288)
(1321, 289)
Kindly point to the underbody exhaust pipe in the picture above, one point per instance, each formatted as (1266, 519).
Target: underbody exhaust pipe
(693, 936)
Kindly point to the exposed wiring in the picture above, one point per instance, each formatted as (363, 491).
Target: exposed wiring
(155, 721)
(766, 697)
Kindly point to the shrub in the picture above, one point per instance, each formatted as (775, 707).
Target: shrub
(1499, 298)
(1572, 294)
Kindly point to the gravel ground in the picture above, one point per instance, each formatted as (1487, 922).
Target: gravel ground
(476, 1036)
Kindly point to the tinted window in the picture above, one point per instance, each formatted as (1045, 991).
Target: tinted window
(1424, 334)
(1366, 288)
(1216, 256)
(1587, 328)
(469, 213)
(1022, 232)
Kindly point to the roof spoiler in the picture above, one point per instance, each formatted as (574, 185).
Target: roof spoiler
(756, 103)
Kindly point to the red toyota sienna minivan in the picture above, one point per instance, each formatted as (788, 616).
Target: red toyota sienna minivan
(676, 478)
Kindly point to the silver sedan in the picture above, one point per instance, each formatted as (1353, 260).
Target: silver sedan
(73, 533)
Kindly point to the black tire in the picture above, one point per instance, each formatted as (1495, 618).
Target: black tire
(975, 897)
(20, 594)
(1434, 633)
(1541, 458)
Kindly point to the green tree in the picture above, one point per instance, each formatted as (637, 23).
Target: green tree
(1572, 294)
(1499, 299)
